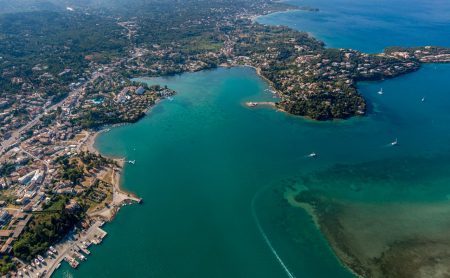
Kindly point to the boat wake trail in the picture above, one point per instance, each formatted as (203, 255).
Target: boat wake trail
(266, 238)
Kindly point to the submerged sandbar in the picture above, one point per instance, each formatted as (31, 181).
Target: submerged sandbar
(403, 235)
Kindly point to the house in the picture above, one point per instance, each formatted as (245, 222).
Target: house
(4, 217)
(26, 178)
(140, 90)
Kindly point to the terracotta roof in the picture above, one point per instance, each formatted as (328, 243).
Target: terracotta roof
(6, 233)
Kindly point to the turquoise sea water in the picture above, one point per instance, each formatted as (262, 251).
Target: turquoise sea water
(212, 172)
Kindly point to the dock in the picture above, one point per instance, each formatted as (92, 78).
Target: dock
(260, 103)
(73, 250)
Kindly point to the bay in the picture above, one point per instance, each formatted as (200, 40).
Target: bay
(212, 172)
(371, 25)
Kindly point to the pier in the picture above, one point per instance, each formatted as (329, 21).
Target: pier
(73, 250)
(260, 103)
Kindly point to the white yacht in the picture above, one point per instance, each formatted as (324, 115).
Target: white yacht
(394, 143)
(380, 92)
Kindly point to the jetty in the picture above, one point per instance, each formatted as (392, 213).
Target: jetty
(260, 103)
(73, 250)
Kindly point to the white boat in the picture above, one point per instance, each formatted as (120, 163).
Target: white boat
(423, 99)
(311, 155)
(170, 98)
(380, 92)
(132, 161)
(394, 143)
(53, 249)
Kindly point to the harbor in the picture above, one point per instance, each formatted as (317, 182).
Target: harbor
(73, 250)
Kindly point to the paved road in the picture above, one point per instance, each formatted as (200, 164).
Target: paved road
(15, 136)
(63, 249)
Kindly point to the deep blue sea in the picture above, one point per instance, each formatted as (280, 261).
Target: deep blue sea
(212, 172)
(370, 25)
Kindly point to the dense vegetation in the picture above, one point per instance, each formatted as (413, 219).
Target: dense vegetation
(46, 228)
(39, 46)
(93, 161)
(6, 264)
(70, 170)
(6, 169)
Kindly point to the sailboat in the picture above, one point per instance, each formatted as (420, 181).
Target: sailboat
(312, 155)
(380, 92)
(394, 143)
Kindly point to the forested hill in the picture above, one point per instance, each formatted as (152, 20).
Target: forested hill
(116, 6)
(7, 6)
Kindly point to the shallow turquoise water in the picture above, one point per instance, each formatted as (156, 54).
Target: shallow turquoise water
(212, 172)
(203, 158)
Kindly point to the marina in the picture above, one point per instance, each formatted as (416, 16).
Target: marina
(71, 251)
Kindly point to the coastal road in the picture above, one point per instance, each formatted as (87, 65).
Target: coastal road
(67, 246)
(34, 157)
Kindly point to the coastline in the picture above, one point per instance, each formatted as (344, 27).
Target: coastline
(94, 233)
(112, 173)
(120, 196)
(271, 86)
(259, 73)
(274, 105)
(126, 197)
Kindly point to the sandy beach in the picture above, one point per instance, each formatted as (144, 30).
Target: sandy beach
(120, 196)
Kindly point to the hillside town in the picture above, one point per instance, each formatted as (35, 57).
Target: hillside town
(54, 156)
